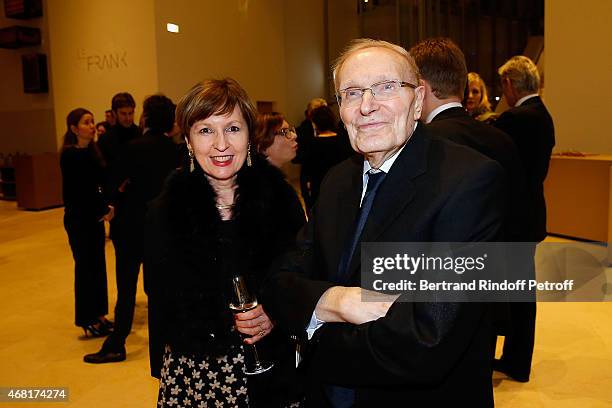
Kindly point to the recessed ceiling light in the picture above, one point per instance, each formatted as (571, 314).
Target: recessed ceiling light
(172, 28)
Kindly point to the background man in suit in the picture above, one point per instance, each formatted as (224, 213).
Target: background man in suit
(404, 186)
(140, 171)
(531, 127)
(444, 72)
(112, 142)
(109, 117)
(305, 135)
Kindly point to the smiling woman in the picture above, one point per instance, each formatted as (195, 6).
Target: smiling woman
(225, 214)
(220, 144)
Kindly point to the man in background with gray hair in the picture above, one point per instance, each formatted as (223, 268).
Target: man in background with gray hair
(531, 127)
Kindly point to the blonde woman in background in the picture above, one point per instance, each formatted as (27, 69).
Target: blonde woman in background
(477, 101)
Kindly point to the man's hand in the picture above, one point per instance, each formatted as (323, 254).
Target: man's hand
(347, 304)
(254, 323)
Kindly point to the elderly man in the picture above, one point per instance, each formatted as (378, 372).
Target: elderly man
(531, 127)
(404, 186)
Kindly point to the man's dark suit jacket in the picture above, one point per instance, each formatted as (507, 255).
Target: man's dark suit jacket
(142, 168)
(419, 354)
(531, 127)
(456, 125)
(114, 141)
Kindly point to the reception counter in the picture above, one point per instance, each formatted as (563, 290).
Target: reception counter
(578, 197)
(38, 180)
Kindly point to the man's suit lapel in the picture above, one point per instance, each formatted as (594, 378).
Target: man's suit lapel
(348, 198)
(396, 192)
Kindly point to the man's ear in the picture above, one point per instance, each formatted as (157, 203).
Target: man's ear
(507, 82)
(427, 87)
(419, 98)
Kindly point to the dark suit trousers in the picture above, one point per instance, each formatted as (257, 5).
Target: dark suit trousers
(86, 238)
(128, 245)
(520, 334)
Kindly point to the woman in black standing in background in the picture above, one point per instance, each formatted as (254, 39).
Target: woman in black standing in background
(85, 213)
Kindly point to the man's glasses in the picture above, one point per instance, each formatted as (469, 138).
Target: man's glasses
(381, 91)
(286, 132)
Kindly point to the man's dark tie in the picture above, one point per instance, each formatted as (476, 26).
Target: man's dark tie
(341, 397)
(374, 181)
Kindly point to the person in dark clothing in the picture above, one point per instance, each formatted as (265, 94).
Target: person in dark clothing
(405, 186)
(110, 117)
(139, 173)
(444, 72)
(85, 212)
(305, 135)
(476, 99)
(531, 127)
(113, 142)
(275, 139)
(124, 130)
(102, 128)
(327, 148)
(227, 212)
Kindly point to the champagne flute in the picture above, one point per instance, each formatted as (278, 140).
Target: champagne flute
(243, 301)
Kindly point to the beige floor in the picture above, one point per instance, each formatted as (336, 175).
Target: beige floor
(40, 347)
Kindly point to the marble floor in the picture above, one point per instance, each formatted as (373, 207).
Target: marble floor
(40, 347)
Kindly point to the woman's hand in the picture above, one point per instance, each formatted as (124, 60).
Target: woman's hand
(254, 323)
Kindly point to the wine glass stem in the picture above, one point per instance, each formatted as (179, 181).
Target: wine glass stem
(255, 355)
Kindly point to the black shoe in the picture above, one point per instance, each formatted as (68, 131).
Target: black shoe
(108, 324)
(97, 329)
(502, 367)
(105, 356)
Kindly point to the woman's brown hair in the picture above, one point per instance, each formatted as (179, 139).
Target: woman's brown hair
(267, 125)
(214, 97)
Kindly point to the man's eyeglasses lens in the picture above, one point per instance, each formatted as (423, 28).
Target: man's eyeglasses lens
(381, 91)
(286, 132)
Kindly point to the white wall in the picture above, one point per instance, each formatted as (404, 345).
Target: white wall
(274, 48)
(343, 26)
(306, 60)
(578, 73)
(236, 38)
(99, 48)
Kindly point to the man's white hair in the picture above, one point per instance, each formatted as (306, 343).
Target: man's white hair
(522, 72)
(364, 43)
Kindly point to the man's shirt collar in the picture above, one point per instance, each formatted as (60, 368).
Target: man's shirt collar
(524, 98)
(441, 108)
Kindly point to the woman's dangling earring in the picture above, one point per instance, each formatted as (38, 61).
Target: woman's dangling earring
(249, 162)
(191, 164)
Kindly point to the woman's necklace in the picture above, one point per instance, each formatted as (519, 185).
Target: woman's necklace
(224, 206)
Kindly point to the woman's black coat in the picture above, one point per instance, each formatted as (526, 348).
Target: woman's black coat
(188, 260)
